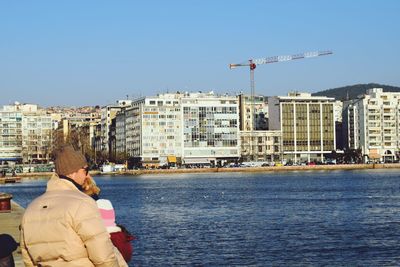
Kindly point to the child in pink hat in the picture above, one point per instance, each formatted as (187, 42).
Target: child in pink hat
(119, 236)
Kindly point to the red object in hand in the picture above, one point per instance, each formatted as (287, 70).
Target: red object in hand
(122, 241)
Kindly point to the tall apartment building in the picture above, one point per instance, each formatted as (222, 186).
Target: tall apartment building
(36, 135)
(10, 134)
(187, 128)
(373, 124)
(25, 134)
(210, 128)
(108, 113)
(133, 129)
(120, 134)
(307, 124)
(153, 130)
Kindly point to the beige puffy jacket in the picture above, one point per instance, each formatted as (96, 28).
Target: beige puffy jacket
(63, 227)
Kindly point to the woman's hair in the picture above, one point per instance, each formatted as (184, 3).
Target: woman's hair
(90, 188)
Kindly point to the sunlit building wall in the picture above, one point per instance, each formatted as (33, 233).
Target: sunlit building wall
(373, 125)
(307, 124)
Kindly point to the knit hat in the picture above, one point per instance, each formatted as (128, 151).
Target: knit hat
(107, 212)
(68, 160)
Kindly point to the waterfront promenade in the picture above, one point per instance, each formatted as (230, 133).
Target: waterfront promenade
(242, 169)
(9, 224)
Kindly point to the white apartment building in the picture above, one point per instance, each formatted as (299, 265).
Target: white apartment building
(36, 136)
(373, 124)
(25, 134)
(10, 134)
(186, 128)
(154, 130)
(307, 124)
(338, 110)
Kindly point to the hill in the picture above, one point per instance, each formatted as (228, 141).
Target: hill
(353, 91)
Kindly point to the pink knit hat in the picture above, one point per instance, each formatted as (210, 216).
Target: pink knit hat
(107, 212)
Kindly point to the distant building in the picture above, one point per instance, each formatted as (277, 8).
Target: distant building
(75, 126)
(261, 146)
(108, 113)
(372, 125)
(210, 128)
(10, 134)
(153, 130)
(253, 113)
(25, 134)
(182, 128)
(307, 124)
(120, 136)
(339, 128)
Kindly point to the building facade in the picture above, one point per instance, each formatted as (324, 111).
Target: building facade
(120, 134)
(253, 114)
(261, 146)
(183, 128)
(373, 125)
(25, 134)
(210, 129)
(307, 124)
(10, 134)
(107, 114)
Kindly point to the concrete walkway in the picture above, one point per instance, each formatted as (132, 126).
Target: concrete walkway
(9, 224)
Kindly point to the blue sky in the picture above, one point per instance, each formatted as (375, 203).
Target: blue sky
(95, 52)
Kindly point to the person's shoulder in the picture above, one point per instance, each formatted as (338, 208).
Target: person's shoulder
(78, 197)
(68, 199)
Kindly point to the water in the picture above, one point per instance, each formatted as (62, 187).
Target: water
(337, 218)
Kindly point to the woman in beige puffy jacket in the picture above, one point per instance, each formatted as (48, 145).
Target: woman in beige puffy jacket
(63, 226)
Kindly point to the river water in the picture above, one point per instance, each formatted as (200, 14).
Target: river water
(330, 218)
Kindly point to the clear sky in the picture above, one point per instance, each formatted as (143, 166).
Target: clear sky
(82, 52)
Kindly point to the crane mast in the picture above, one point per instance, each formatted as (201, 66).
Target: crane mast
(252, 64)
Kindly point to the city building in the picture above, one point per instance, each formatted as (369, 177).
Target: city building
(36, 135)
(183, 128)
(338, 111)
(210, 128)
(253, 113)
(25, 134)
(10, 134)
(120, 136)
(108, 113)
(262, 146)
(307, 124)
(133, 129)
(372, 125)
(152, 131)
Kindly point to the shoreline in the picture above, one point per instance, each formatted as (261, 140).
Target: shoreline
(246, 169)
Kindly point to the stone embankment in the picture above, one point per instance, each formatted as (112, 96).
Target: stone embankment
(9, 224)
(248, 169)
(265, 169)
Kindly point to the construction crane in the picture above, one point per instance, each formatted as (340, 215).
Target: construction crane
(252, 64)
